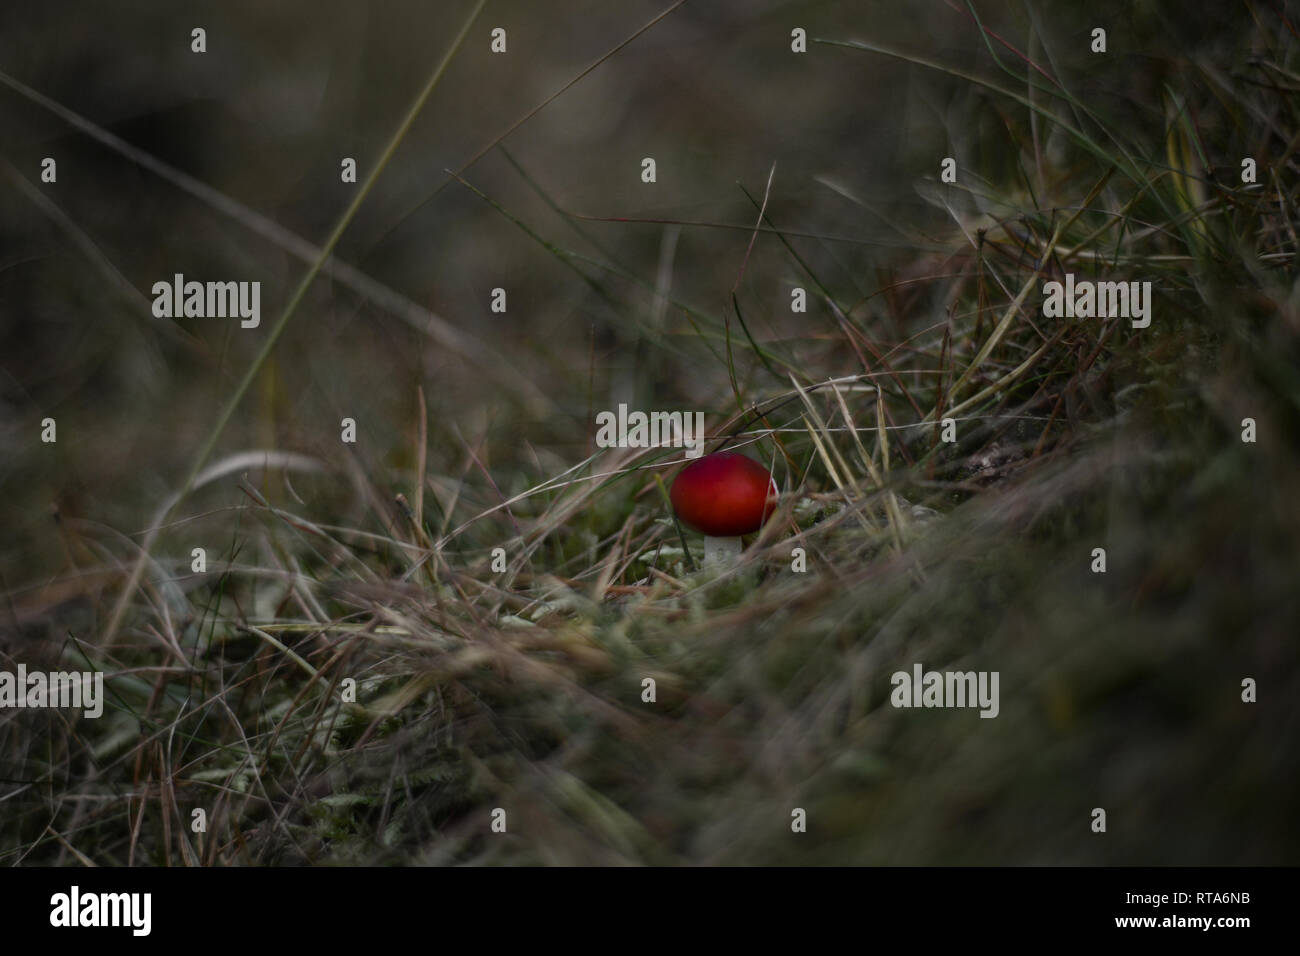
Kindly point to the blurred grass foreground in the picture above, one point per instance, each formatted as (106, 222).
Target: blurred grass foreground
(473, 635)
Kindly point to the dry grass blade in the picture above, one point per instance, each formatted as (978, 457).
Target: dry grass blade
(276, 330)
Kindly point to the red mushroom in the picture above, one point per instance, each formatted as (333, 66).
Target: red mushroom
(723, 495)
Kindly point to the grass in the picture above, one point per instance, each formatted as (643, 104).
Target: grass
(231, 689)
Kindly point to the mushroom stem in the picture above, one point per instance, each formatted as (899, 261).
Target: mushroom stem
(721, 550)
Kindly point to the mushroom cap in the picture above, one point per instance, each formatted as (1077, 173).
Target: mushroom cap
(724, 495)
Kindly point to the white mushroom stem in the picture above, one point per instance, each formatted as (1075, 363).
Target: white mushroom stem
(721, 550)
